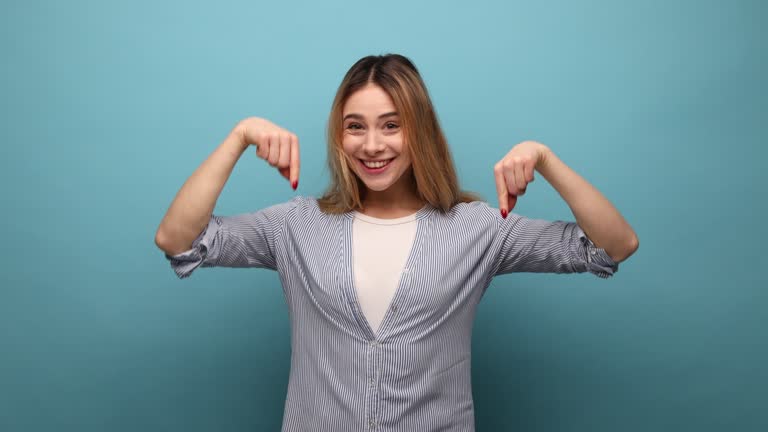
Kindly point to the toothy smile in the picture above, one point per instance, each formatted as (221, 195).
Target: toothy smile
(376, 164)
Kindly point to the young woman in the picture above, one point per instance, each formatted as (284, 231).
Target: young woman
(383, 273)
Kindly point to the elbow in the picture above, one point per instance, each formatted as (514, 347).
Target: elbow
(161, 241)
(170, 244)
(165, 244)
(634, 243)
(629, 248)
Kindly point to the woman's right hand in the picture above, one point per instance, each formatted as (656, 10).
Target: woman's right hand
(274, 144)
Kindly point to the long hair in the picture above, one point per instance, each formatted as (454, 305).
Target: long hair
(433, 171)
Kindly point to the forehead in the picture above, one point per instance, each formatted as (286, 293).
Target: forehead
(370, 100)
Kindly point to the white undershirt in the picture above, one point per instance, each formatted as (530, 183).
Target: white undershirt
(380, 247)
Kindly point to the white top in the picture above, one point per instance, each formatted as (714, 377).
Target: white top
(380, 248)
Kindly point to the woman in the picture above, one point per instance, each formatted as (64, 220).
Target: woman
(382, 275)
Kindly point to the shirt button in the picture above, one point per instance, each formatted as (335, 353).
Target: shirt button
(594, 252)
(394, 308)
(371, 424)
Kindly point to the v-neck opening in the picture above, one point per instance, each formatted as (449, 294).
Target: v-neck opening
(420, 217)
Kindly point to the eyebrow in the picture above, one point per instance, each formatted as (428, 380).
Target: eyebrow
(359, 117)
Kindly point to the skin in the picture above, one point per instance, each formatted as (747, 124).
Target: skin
(599, 219)
(193, 205)
(372, 132)
(370, 135)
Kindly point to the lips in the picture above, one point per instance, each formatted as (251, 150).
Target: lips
(375, 167)
(376, 164)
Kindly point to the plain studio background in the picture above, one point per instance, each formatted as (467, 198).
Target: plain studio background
(107, 107)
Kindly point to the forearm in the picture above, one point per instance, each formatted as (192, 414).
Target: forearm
(193, 205)
(599, 219)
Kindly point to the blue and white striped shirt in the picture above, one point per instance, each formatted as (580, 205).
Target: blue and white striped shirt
(414, 374)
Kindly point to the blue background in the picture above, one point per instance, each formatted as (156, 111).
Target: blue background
(107, 108)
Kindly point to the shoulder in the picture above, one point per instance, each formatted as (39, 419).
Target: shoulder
(471, 215)
(305, 210)
(472, 209)
(299, 207)
(307, 226)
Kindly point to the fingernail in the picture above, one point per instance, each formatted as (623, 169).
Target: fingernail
(295, 184)
(503, 213)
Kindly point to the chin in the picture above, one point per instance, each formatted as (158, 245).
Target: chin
(375, 188)
(378, 186)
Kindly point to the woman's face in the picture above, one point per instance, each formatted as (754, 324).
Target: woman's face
(373, 138)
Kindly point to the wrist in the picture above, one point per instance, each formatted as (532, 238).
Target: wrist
(240, 133)
(235, 142)
(545, 156)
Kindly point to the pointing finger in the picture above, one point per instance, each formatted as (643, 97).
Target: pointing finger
(295, 165)
(501, 190)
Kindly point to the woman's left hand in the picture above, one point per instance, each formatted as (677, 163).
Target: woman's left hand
(515, 171)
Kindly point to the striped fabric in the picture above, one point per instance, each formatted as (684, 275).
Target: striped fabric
(414, 373)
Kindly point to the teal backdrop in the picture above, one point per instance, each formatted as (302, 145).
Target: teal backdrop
(108, 106)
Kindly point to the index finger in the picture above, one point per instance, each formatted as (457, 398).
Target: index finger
(501, 191)
(294, 166)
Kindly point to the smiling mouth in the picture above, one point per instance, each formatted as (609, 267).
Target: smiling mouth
(376, 164)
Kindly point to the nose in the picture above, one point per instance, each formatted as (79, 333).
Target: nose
(373, 144)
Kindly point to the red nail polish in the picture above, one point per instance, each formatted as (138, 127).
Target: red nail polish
(503, 213)
(295, 184)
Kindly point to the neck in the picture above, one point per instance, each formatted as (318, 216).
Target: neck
(399, 200)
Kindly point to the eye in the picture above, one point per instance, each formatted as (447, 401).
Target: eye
(391, 125)
(354, 126)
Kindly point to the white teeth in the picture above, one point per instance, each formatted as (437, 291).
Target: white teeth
(376, 164)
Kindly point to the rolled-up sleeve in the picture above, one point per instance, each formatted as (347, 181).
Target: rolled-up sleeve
(542, 246)
(243, 240)
(590, 258)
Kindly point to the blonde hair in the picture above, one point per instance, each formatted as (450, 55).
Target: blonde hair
(433, 170)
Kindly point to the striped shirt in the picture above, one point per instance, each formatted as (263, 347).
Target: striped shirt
(413, 374)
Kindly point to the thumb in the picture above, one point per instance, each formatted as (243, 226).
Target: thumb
(512, 202)
(285, 172)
